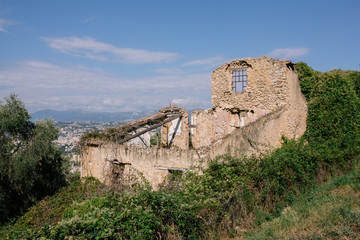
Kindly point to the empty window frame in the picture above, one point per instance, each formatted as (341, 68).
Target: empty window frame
(239, 76)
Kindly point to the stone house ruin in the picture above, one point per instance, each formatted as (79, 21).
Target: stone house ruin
(243, 91)
(255, 102)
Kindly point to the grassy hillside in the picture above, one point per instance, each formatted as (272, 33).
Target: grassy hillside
(329, 211)
(278, 195)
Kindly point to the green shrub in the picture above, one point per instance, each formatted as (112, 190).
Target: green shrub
(308, 78)
(333, 125)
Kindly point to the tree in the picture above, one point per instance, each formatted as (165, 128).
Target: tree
(31, 164)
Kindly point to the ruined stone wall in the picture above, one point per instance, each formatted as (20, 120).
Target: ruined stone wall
(271, 84)
(181, 137)
(296, 113)
(260, 136)
(267, 87)
(211, 125)
(98, 159)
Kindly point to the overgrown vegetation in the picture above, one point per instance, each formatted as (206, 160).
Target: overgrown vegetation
(329, 211)
(91, 210)
(249, 197)
(109, 135)
(155, 139)
(95, 135)
(31, 165)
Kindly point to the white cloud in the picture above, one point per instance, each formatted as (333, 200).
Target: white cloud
(168, 71)
(88, 19)
(210, 62)
(4, 23)
(189, 102)
(90, 48)
(43, 85)
(289, 53)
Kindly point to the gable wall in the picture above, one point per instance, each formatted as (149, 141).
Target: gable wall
(267, 87)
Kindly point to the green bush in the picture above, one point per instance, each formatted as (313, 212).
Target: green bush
(333, 125)
(308, 78)
(90, 210)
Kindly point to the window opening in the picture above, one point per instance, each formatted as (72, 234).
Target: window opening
(239, 80)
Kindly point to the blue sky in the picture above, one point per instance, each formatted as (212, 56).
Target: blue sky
(144, 55)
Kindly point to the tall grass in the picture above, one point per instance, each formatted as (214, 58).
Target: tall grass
(329, 211)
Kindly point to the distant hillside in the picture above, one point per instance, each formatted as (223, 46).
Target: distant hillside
(79, 115)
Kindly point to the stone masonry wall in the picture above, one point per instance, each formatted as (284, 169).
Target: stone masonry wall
(98, 160)
(260, 136)
(271, 84)
(267, 86)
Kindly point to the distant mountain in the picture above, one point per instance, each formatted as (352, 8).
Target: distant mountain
(79, 115)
